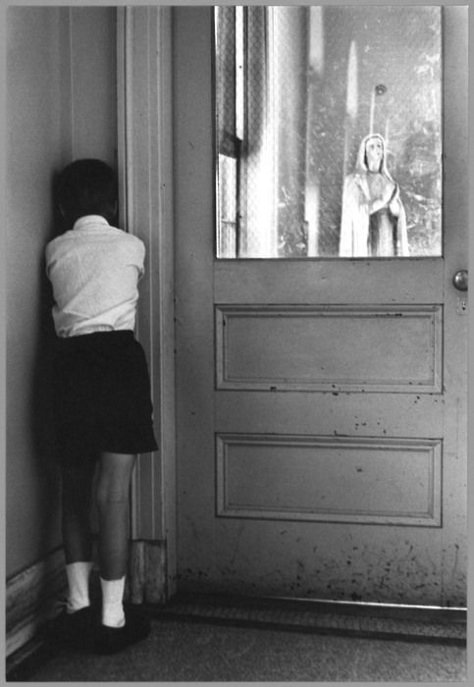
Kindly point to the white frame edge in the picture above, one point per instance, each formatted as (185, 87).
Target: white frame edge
(145, 166)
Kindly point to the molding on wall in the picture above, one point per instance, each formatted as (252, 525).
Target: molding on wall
(145, 164)
(31, 597)
(147, 579)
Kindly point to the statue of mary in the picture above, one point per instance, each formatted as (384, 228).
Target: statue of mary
(373, 222)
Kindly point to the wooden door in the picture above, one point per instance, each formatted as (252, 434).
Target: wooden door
(321, 404)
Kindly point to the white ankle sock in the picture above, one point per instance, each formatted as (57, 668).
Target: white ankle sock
(78, 582)
(112, 602)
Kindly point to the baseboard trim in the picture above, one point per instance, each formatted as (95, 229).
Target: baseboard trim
(30, 599)
(147, 579)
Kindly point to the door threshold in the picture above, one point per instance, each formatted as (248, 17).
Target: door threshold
(374, 621)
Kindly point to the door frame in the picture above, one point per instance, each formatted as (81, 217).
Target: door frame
(145, 168)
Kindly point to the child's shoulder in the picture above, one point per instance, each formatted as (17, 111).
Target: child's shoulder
(129, 239)
(126, 234)
(58, 240)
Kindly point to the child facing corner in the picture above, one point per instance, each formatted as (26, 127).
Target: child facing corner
(103, 400)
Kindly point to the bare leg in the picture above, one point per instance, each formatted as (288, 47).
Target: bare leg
(119, 627)
(76, 504)
(112, 495)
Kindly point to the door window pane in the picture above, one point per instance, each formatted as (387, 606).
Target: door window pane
(328, 131)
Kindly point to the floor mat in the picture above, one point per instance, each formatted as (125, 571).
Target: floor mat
(408, 624)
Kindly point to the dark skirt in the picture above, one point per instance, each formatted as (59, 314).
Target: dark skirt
(103, 397)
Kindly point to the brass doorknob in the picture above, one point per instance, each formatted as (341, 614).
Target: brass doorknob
(460, 280)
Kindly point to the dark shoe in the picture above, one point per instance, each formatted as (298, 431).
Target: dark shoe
(110, 640)
(71, 630)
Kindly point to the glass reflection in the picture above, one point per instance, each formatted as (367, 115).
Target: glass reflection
(298, 91)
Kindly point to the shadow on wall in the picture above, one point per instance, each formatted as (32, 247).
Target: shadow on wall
(46, 454)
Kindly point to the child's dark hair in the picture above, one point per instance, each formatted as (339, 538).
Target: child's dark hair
(87, 187)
